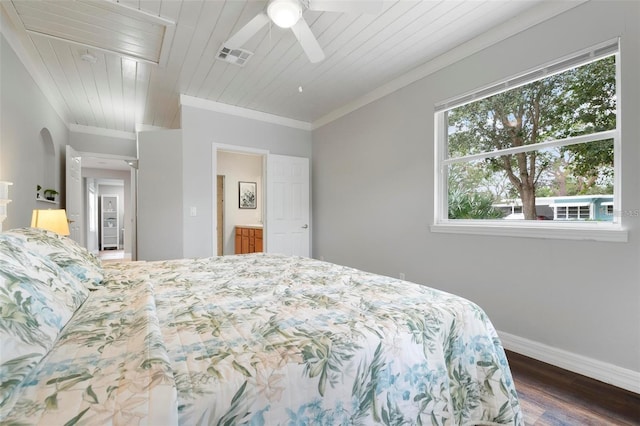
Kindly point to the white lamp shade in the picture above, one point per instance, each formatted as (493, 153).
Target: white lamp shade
(284, 13)
(52, 220)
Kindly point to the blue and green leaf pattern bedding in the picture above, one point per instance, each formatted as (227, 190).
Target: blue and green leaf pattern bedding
(269, 340)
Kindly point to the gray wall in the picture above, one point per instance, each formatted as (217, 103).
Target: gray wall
(23, 156)
(160, 195)
(101, 144)
(373, 202)
(200, 130)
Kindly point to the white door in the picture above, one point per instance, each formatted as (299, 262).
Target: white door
(73, 171)
(91, 215)
(287, 196)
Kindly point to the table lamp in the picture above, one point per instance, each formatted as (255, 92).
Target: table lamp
(52, 220)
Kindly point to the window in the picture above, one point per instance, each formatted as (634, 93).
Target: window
(608, 208)
(531, 142)
(579, 212)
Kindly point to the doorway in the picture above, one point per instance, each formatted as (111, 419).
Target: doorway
(110, 219)
(282, 208)
(234, 168)
(109, 177)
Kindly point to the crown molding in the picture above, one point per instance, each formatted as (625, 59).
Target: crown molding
(206, 104)
(545, 11)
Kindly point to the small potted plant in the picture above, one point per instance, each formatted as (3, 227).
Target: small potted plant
(38, 188)
(50, 194)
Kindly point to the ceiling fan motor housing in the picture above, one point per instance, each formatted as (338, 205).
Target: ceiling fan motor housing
(284, 13)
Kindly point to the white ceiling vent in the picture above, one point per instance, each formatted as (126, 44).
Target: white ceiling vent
(234, 56)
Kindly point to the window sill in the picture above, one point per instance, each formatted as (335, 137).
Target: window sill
(562, 231)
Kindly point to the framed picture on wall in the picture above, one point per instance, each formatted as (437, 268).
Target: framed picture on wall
(247, 195)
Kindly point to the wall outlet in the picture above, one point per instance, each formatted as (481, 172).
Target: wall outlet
(401, 275)
(193, 211)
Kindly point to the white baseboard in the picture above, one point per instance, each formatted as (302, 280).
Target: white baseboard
(605, 372)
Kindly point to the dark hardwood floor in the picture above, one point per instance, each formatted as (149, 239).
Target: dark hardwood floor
(552, 396)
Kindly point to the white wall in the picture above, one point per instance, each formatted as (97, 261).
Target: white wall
(239, 168)
(202, 128)
(373, 202)
(23, 159)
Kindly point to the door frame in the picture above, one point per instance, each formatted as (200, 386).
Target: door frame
(215, 147)
(220, 205)
(74, 198)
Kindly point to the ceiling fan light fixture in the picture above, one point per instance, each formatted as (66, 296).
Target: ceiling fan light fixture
(284, 13)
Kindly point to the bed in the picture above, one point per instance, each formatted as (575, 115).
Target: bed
(254, 339)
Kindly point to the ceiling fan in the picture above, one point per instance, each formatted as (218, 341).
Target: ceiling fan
(288, 14)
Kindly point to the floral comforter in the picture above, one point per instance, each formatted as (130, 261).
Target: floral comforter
(269, 340)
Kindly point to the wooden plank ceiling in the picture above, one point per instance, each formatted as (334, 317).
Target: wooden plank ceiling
(154, 50)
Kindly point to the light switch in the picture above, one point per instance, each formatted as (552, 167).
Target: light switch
(193, 211)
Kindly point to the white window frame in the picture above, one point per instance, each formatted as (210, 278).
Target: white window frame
(562, 229)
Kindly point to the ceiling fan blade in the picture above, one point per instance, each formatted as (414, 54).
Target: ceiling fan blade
(308, 41)
(347, 6)
(249, 30)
